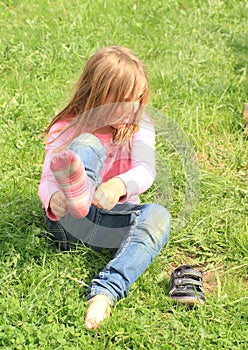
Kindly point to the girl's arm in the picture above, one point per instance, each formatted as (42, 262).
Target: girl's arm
(48, 185)
(137, 179)
(142, 173)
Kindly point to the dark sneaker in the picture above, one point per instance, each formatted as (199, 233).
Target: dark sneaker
(186, 286)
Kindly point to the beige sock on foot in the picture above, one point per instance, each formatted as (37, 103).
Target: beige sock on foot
(98, 310)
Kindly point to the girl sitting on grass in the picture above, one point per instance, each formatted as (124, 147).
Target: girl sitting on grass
(100, 156)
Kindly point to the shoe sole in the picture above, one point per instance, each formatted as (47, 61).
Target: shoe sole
(187, 300)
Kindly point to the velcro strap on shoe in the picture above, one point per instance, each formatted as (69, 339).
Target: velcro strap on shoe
(185, 281)
(188, 272)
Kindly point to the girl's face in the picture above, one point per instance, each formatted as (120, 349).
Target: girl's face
(125, 111)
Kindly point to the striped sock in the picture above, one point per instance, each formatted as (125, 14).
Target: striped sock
(69, 171)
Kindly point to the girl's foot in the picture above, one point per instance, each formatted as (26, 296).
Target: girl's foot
(69, 171)
(98, 310)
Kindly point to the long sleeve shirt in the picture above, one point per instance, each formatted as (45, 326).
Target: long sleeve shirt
(135, 166)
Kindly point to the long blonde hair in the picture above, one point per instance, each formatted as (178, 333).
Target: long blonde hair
(113, 74)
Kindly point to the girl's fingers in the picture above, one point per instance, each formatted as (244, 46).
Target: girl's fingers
(58, 204)
(104, 200)
(60, 212)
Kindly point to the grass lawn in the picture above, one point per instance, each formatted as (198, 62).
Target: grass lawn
(197, 58)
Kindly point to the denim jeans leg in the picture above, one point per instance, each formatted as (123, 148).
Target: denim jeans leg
(146, 238)
(62, 238)
(92, 154)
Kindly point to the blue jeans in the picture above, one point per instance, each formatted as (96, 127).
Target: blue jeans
(136, 231)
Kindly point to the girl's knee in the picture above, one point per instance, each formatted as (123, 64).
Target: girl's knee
(155, 221)
(158, 211)
(160, 221)
(87, 140)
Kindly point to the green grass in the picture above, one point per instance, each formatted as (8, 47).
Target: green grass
(197, 58)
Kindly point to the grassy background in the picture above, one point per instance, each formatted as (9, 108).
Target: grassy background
(196, 53)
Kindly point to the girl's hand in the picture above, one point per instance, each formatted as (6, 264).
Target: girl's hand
(108, 193)
(58, 204)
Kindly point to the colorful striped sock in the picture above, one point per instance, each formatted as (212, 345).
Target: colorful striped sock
(69, 171)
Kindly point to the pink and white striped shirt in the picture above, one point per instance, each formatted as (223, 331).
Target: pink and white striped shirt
(136, 168)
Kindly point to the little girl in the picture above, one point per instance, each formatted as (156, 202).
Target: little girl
(100, 155)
